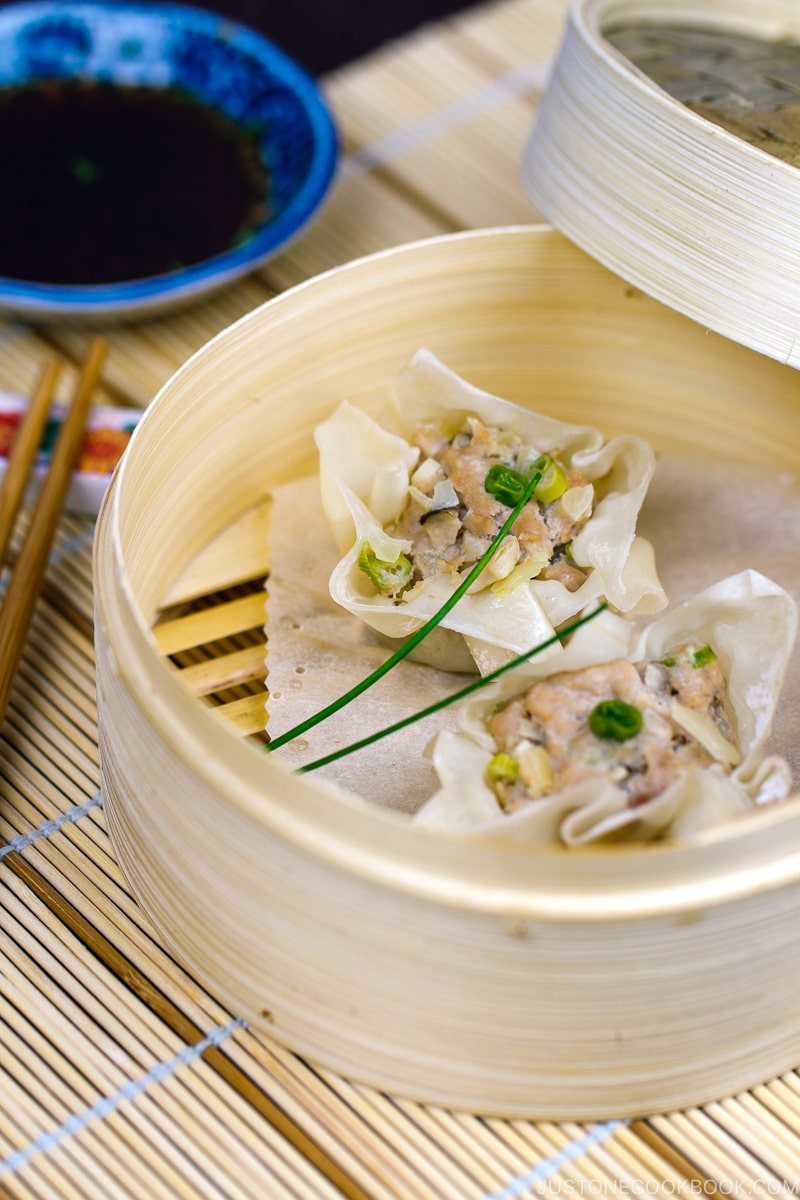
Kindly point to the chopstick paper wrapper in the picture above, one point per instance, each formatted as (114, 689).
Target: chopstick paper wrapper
(107, 433)
(316, 651)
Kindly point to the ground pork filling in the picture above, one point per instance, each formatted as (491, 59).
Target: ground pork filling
(640, 726)
(450, 520)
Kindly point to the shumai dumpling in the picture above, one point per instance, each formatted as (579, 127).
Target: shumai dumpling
(662, 741)
(415, 506)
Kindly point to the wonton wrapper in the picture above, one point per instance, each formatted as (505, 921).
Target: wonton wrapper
(364, 477)
(750, 622)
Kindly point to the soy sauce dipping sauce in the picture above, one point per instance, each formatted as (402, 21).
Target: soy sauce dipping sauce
(103, 183)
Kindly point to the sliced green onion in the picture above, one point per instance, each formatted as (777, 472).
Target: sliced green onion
(615, 720)
(387, 576)
(669, 661)
(505, 484)
(553, 482)
(703, 656)
(502, 769)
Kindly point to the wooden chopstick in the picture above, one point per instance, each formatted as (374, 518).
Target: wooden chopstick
(29, 569)
(23, 453)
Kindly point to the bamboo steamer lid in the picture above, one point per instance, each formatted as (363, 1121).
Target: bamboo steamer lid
(544, 983)
(670, 154)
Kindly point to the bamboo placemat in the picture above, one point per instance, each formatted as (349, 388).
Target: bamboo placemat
(120, 1076)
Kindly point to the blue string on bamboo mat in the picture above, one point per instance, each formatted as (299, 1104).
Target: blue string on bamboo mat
(71, 546)
(548, 1167)
(474, 104)
(74, 1124)
(23, 840)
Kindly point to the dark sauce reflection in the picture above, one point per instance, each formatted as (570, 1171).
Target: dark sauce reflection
(103, 183)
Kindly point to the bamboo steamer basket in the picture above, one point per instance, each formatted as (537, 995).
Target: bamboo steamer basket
(674, 202)
(540, 983)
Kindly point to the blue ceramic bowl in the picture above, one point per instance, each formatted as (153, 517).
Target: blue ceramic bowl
(223, 65)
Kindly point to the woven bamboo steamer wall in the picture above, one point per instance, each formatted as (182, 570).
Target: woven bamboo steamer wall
(517, 982)
(685, 209)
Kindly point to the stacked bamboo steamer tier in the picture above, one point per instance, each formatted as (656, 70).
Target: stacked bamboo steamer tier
(668, 145)
(501, 979)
